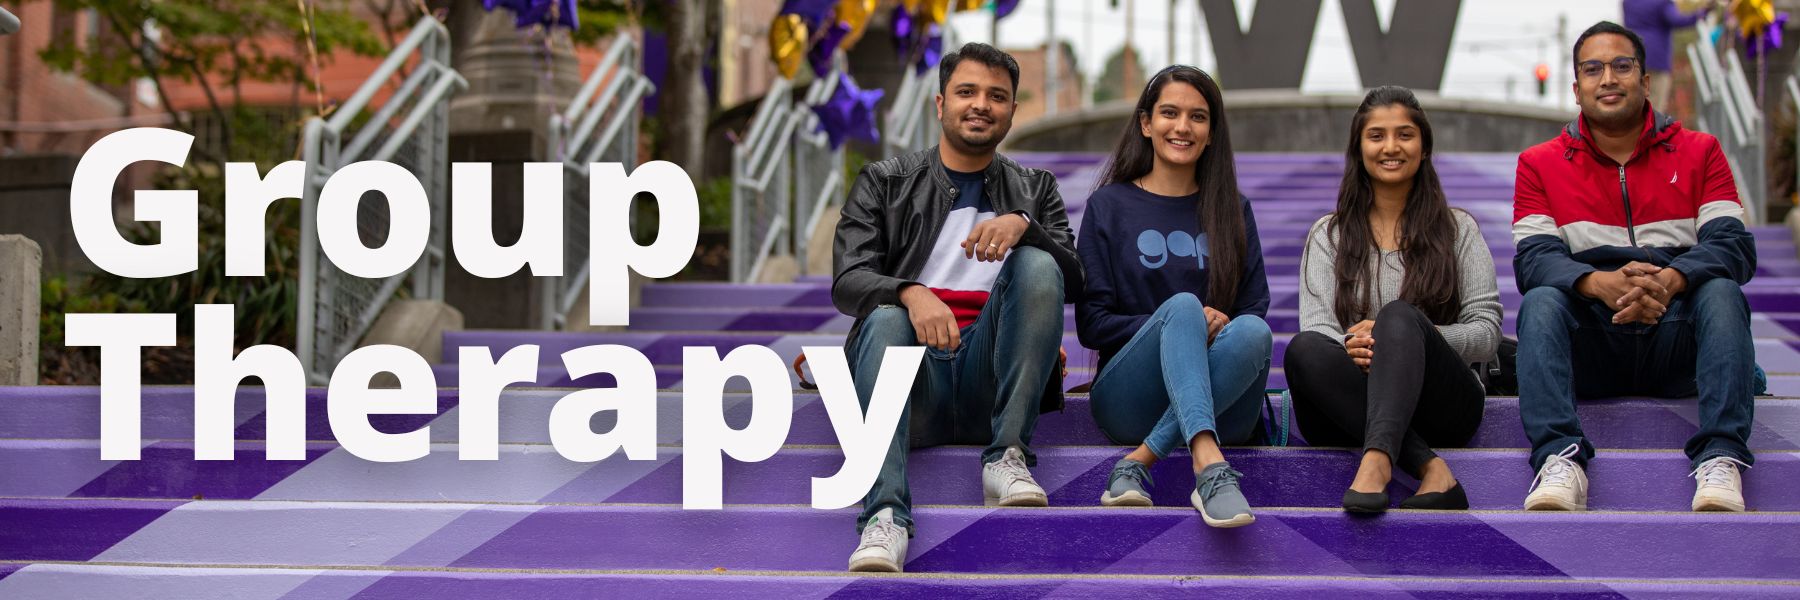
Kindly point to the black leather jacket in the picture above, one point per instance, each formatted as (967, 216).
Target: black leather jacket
(894, 213)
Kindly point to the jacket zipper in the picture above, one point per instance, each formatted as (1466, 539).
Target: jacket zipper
(1625, 194)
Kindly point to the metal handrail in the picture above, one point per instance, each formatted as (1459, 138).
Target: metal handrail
(780, 159)
(615, 113)
(1729, 110)
(335, 308)
(912, 129)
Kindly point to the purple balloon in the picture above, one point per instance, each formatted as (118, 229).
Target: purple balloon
(1769, 40)
(849, 113)
(820, 54)
(903, 28)
(813, 11)
(934, 49)
(529, 13)
(1004, 7)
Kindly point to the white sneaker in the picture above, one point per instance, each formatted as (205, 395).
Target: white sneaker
(1560, 485)
(1008, 482)
(1718, 487)
(883, 547)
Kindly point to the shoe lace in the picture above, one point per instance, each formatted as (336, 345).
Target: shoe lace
(880, 533)
(1217, 479)
(1132, 470)
(1013, 469)
(1558, 469)
(1717, 472)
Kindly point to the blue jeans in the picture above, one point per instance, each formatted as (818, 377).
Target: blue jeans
(986, 391)
(1569, 347)
(1166, 385)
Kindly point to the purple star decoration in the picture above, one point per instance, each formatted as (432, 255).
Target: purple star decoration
(1769, 40)
(903, 27)
(925, 45)
(850, 113)
(934, 49)
(1004, 7)
(527, 13)
(813, 11)
(820, 54)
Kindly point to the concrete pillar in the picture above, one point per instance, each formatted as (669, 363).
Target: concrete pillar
(515, 81)
(21, 262)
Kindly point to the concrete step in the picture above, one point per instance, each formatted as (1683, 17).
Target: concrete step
(73, 580)
(1282, 295)
(1776, 355)
(1750, 547)
(820, 319)
(73, 413)
(1626, 480)
(669, 377)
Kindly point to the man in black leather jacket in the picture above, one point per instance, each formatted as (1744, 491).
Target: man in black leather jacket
(962, 250)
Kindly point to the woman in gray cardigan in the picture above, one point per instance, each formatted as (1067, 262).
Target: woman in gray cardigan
(1398, 298)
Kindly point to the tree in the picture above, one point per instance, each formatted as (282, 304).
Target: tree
(1113, 80)
(217, 45)
(685, 106)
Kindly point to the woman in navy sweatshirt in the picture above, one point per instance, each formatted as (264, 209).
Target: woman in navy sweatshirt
(1175, 297)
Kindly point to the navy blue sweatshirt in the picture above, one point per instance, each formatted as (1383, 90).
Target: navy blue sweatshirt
(1139, 249)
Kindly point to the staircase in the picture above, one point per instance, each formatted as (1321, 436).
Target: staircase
(533, 524)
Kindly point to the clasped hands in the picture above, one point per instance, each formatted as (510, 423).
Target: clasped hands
(1638, 292)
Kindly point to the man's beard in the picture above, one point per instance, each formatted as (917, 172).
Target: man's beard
(1628, 116)
(978, 142)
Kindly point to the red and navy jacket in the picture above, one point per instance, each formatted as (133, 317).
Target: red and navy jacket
(1672, 204)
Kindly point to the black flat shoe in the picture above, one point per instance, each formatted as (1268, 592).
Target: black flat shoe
(1360, 502)
(1451, 499)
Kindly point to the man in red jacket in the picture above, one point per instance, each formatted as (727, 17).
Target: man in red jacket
(1632, 252)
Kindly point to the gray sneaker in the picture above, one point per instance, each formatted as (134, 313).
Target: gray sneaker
(1125, 487)
(1217, 497)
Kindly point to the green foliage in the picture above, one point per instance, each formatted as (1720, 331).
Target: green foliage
(1108, 87)
(216, 37)
(600, 18)
(216, 45)
(266, 306)
(62, 295)
(715, 203)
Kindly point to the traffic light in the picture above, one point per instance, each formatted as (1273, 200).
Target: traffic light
(1543, 78)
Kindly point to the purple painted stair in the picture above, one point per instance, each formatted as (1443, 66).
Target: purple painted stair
(1625, 480)
(73, 413)
(535, 525)
(1091, 541)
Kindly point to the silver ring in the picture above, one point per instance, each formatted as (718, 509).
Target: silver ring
(993, 245)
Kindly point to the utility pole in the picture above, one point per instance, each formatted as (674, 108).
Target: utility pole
(1087, 42)
(1129, 53)
(1171, 25)
(1562, 42)
(1199, 33)
(1052, 61)
(994, 26)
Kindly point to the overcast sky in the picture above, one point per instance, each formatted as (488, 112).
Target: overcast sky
(1494, 40)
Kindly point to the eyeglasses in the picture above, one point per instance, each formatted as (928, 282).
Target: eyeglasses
(1622, 66)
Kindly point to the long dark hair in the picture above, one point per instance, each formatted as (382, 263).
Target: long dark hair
(1427, 227)
(1220, 208)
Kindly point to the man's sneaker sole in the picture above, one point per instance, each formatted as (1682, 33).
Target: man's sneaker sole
(874, 564)
(1554, 504)
(1236, 521)
(1130, 498)
(1017, 500)
(1717, 505)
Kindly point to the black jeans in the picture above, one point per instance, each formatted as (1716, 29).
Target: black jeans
(1418, 393)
